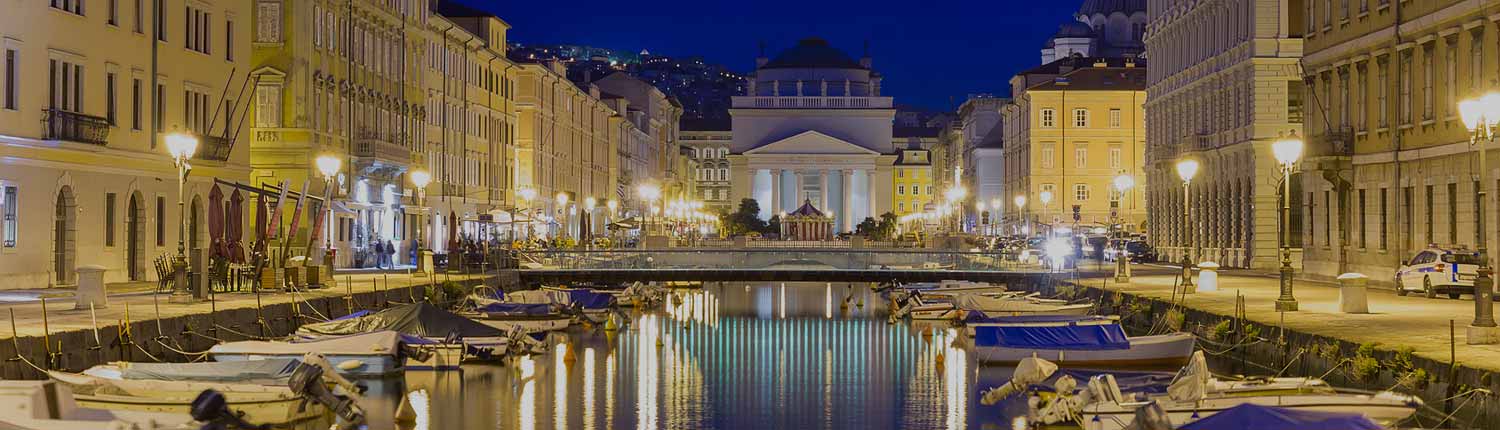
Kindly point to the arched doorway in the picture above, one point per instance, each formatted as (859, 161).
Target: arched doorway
(135, 241)
(63, 246)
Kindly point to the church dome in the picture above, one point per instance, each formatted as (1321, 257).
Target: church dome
(1073, 29)
(812, 53)
(1106, 7)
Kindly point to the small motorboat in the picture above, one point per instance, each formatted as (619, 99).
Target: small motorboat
(1194, 395)
(1011, 306)
(1075, 341)
(375, 353)
(955, 287)
(51, 405)
(529, 318)
(452, 338)
(266, 404)
(273, 371)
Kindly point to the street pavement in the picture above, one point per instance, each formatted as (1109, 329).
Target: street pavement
(1394, 321)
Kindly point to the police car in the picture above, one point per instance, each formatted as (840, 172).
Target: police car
(1449, 270)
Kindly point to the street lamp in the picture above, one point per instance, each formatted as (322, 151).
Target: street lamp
(181, 147)
(1021, 205)
(1046, 197)
(1481, 117)
(420, 178)
(649, 193)
(562, 211)
(979, 213)
(528, 195)
(1123, 182)
(328, 165)
(1186, 169)
(1287, 151)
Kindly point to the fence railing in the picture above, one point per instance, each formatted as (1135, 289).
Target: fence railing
(773, 259)
(74, 127)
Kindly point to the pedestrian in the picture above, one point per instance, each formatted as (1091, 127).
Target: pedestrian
(390, 254)
(379, 255)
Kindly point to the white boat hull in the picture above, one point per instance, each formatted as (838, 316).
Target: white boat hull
(1170, 350)
(1381, 410)
(528, 325)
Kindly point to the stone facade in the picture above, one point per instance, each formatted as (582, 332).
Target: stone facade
(1224, 84)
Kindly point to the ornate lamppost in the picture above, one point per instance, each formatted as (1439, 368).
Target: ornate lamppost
(1020, 206)
(1186, 169)
(1482, 117)
(328, 166)
(1123, 183)
(420, 179)
(1287, 151)
(528, 195)
(181, 147)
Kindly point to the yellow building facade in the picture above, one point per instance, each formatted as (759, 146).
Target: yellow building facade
(912, 181)
(82, 180)
(1070, 132)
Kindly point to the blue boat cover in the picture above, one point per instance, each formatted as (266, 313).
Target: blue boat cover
(352, 316)
(1147, 382)
(516, 308)
(1065, 337)
(980, 317)
(1249, 416)
(588, 299)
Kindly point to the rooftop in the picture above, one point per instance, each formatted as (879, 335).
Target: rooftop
(812, 53)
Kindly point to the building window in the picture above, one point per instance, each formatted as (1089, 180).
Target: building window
(11, 80)
(10, 203)
(1115, 158)
(1406, 218)
(66, 86)
(1428, 70)
(1476, 60)
(140, 12)
(135, 103)
(1405, 87)
(1081, 156)
(1049, 118)
(1047, 156)
(1361, 92)
(1450, 75)
(1453, 213)
(109, 219)
(900, 190)
(109, 97)
(114, 13)
(71, 6)
(1430, 215)
(1081, 192)
(268, 22)
(1344, 93)
(1327, 218)
(159, 109)
(1382, 86)
(900, 206)
(160, 20)
(267, 106)
(916, 190)
(1080, 118)
(929, 190)
(198, 29)
(161, 221)
(1048, 188)
(228, 40)
(1364, 225)
(195, 112)
(1114, 118)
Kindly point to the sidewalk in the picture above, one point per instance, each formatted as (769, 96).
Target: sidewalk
(61, 316)
(1394, 321)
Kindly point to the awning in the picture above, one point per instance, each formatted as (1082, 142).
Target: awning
(340, 209)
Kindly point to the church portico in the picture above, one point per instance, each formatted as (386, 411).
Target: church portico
(842, 183)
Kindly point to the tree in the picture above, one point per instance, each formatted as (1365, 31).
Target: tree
(867, 228)
(746, 219)
(886, 230)
(774, 225)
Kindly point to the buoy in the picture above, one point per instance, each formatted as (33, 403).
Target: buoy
(940, 360)
(350, 365)
(404, 412)
(609, 325)
(860, 304)
(659, 342)
(569, 356)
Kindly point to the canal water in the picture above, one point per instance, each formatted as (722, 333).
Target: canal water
(733, 356)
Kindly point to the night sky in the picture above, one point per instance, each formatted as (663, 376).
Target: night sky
(930, 53)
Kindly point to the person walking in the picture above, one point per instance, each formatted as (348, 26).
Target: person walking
(379, 252)
(390, 253)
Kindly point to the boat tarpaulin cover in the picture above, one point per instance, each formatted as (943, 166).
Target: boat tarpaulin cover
(1250, 416)
(417, 319)
(516, 309)
(234, 371)
(1149, 382)
(379, 342)
(587, 299)
(980, 317)
(1064, 336)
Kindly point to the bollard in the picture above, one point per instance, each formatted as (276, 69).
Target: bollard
(1208, 277)
(1352, 297)
(91, 294)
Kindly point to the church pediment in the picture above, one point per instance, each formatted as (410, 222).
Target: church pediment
(811, 142)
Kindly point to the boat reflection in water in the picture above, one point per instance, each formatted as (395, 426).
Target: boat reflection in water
(723, 357)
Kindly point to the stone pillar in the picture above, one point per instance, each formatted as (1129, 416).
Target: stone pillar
(776, 88)
(775, 191)
(870, 192)
(823, 181)
(847, 208)
(799, 88)
(90, 288)
(801, 191)
(823, 90)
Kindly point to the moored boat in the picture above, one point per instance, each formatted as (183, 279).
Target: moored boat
(366, 354)
(529, 318)
(52, 405)
(1078, 341)
(258, 403)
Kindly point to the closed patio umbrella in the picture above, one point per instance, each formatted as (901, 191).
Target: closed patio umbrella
(235, 228)
(216, 222)
(452, 232)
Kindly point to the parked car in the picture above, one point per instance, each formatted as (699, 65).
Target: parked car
(1140, 251)
(1438, 270)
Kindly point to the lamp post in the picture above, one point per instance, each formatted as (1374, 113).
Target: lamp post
(979, 215)
(1123, 183)
(420, 179)
(588, 217)
(1020, 206)
(1287, 151)
(649, 193)
(562, 211)
(1186, 169)
(528, 195)
(328, 166)
(181, 147)
(1046, 197)
(1482, 116)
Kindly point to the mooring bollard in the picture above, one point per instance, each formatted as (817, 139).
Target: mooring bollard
(1208, 276)
(91, 294)
(1352, 293)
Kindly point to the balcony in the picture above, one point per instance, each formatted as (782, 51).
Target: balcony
(1339, 142)
(74, 127)
(379, 147)
(793, 102)
(214, 148)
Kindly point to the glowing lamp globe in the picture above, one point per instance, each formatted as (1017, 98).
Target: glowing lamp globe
(589, 203)
(1124, 182)
(528, 193)
(421, 178)
(1471, 111)
(562, 199)
(181, 146)
(1287, 150)
(1020, 201)
(1046, 197)
(1186, 169)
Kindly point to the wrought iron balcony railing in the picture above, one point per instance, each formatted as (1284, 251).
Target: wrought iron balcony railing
(59, 124)
(379, 146)
(213, 148)
(1337, 142)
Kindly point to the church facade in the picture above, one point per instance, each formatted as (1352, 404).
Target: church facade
(815, 128)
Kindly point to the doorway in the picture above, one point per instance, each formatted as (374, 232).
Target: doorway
(63, 246)
(135, 241)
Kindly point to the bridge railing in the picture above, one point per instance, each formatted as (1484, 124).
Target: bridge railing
(774, 259)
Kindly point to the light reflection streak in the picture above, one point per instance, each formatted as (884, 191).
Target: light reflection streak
(527, 414)
(783, 300)
(588, 388)
(560, 387)
(956, 371)
(609, 389)
(646, 372)
(422, 408)
(827, 301)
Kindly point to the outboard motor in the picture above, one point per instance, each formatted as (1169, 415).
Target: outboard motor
(307, 380)
(212, 410)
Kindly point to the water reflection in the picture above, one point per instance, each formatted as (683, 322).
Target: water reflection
(726, 357)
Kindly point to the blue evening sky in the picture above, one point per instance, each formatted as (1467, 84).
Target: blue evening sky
(930, 52)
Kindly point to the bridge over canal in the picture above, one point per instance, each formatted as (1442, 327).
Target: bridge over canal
(777, 265)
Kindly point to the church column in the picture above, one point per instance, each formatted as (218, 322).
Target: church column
(775, 191)
(801, 189)
(823, 182)
(776, 88)
(870, 192)
(847, 209)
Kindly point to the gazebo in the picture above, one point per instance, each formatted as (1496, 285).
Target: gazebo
(807, 223)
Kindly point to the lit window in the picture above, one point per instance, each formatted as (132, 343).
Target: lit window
(1114, 118)
(1049, 117)
(1081, 192)
(1080, 118)
(8, 205)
